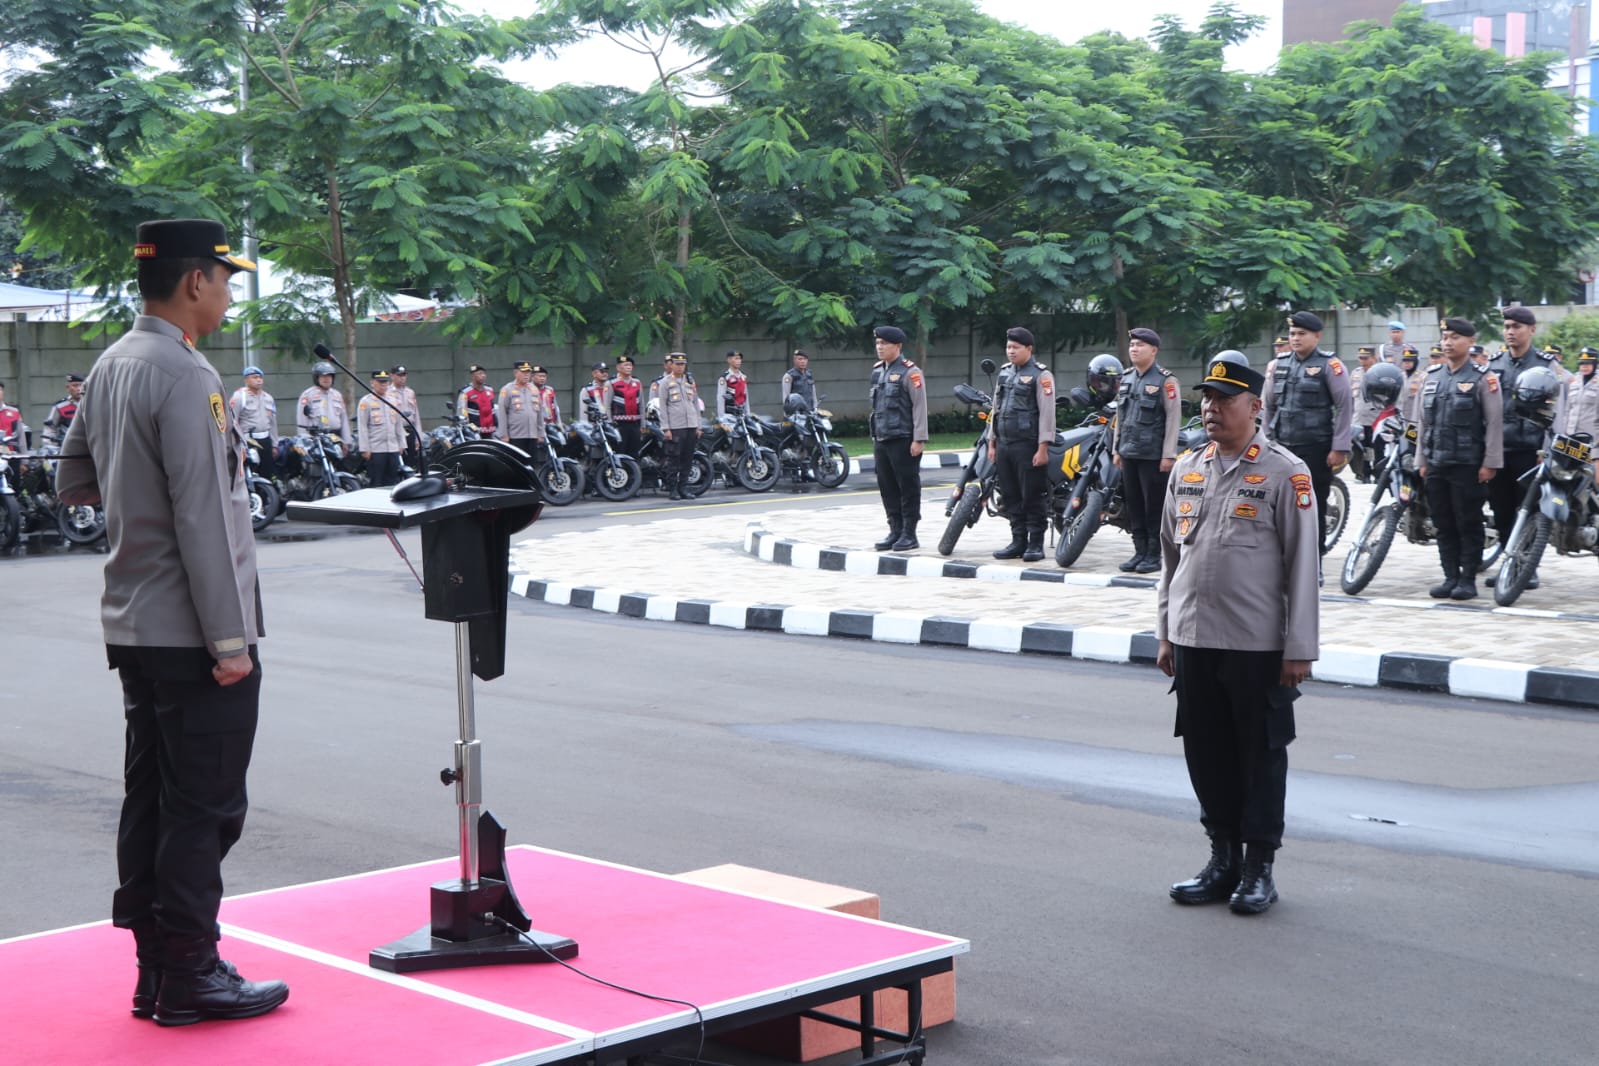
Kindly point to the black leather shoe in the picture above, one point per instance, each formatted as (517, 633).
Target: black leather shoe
(907, 542)
(1443, 590)
(887, 542)
(219, 993)
(1217, 880)
(1013, 550)
(1256, 891)
(1465, 589)
(145, 991)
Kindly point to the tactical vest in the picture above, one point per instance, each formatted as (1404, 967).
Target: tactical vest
(1141, 415)
(801, 382)
(1302, 399)
(1017, 417)
(1521, 435)
(892, 416)
(1453, 403)
(624, 399)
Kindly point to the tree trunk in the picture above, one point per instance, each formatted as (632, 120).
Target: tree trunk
(680, 312)
(343, 289)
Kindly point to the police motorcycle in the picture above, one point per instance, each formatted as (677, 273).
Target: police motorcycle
(561, 479)
(652, 457)
(595, 444)
(29, 507)
(446, 435)
(733, 444)
(1399, 479)
(803, 449)
(10, 508)
(1560, 509)
(266, 501)
(311, 466)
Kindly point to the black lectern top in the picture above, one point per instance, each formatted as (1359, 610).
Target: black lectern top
(372, 507)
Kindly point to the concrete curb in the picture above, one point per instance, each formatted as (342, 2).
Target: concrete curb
(1367, 667)
(930, 461)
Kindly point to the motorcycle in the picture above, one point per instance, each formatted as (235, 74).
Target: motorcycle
(10, 509)
(733, 445)
(29, 507)
(803, 450)
(652, 460)
(446, 435)
(1400, 480)
(266, 502)
(595, 444)
(1560, 510)
(311, 466)
(561, 479)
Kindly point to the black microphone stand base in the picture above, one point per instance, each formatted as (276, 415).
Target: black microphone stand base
(424, 951)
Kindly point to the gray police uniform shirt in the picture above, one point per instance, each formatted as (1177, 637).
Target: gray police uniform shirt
(377, 427)
(405, 400)
(1366, 411)
(519, 412)
(256, 414)
(1581, 411)
(327, 412)
(679, 405)
(154, 442)
(1410, 395)
(1488, 413)
(1333, 378)
(1241, 553)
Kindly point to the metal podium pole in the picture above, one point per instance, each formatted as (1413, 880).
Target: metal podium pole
(468, 757)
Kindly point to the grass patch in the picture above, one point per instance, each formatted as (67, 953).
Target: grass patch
(936, 442)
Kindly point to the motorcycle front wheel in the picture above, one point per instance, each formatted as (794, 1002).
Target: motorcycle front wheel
(757, 469)
(81, 525)
(265, 503)
(1522, 554)
(561, 482)
(621, 481)
(832, 466)
(700, 476)
(10, 522)
(1337, 516)
(1080, 528)
(1370, 549)
(967, 510)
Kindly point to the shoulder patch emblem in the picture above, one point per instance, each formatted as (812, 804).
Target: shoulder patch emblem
(1194, 477)
(1171, 387)
(1185, 508)
(219, 413)
(1252, 452)
(916, 379)
(1336, 366)
(1255, 479)
(1493, 382)
(1304, 499)
(1047, 383)
(1184, 525)
(1246, 510)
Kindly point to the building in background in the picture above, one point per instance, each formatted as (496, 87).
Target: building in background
(1324, 20)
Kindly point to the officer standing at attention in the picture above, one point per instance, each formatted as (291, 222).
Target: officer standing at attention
(1462, 444)
(732, 388)
(1238, 627)
(898, 426)
(59, 420)
(1366, 411)
(552, 404)
(594, 401)
(1394, 350)
(403, 396)
(14, 431)
(1279, 347)
(1308, 408)
(1410, 398)
(1024, 428)
(181, 613)
(322, 405)
(1523, 436)
(256, 413)
(797, 378)
(519, 411)
(1147, 421)
(474, 404)
(1580, 413)
(627, 405)
(379, 433)
(679, 409)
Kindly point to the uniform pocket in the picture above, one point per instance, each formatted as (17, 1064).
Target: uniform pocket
(1280, 716)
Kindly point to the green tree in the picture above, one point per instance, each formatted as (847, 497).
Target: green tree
(21, 266)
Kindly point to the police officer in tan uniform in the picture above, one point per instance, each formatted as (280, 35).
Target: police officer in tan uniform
(1024, 428)
(256, 413)
(322, 406)
(679, 410)
(1238, 627)
(403, 396)
(379, 433)
(1581, 411)
(181, 612)
(519, 411)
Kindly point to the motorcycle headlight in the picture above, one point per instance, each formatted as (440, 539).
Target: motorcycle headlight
(1563, 471)
(1409, 462)
(825, 422)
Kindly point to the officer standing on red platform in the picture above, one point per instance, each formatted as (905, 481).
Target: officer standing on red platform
(474, 404)
(181, 612)
(898, 425)
(1238, 626)
(627, 405)
(1461, 446)
(1024, 428)
(1147, 421)
(59, 420)
(1308, 408)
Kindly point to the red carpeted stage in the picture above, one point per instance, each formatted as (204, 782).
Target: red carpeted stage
(739, 958)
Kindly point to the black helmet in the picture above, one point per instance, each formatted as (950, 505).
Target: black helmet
(1229, 355)
(320, 369)
(1382, 383)
(1537, 390)
(795, 405)
(1104, 377)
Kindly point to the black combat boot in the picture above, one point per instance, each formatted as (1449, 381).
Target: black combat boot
(907, 540)
(150, 952)
(1219, 877)
(1151, 562)
(1140, 546)
(1035, 546)
(1443, 589)
(197, 985)
(1466, 584)
(1017, 545)
(889, 541)
(1256, 891)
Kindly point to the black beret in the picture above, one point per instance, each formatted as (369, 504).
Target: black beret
(1020, 334)
(1459, 326)
(1520, 314)
(628, 359)
(539, 369)
(475, 367)
(75, 378)
(891, 334)
(1305, 320)
(1148, 336)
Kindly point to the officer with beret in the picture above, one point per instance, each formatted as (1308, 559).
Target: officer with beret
(1522, 436)
(1238, 627)
(1147, 421)
(1394, 350)
(59, 420)
(733, 387)
(798, 379)
(899, 432)
(594, 402)
(679, 408)
(1461, 446)
(379, 433)
(474, 404)
(628, 405)
(519, 411)
(1580, 413)
(181, 612)
(1024, 428)
(256, 413)
(1308, 406)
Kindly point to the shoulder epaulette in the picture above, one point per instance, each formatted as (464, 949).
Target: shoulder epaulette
(1434, 366)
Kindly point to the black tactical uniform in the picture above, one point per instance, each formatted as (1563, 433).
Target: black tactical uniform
(899, 419)
(1523, 437)
(1461, 419)
(1024, 421)
(1147, 421)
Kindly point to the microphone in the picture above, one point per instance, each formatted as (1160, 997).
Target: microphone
(418, 485)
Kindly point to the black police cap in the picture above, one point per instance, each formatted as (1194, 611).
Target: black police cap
(186, 238)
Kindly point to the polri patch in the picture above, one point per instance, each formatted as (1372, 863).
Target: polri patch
(1254, 479)
(1337, 367)
(1303, 496)
(219, 413)
(1171, 389)
(1194, 477)
(1246, 510)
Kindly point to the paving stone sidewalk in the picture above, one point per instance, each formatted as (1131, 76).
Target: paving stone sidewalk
(722, 569)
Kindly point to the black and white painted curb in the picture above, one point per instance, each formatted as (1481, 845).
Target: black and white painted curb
(1339, 664)
(930, 461)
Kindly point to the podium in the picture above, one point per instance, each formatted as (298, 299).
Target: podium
(489, 493)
